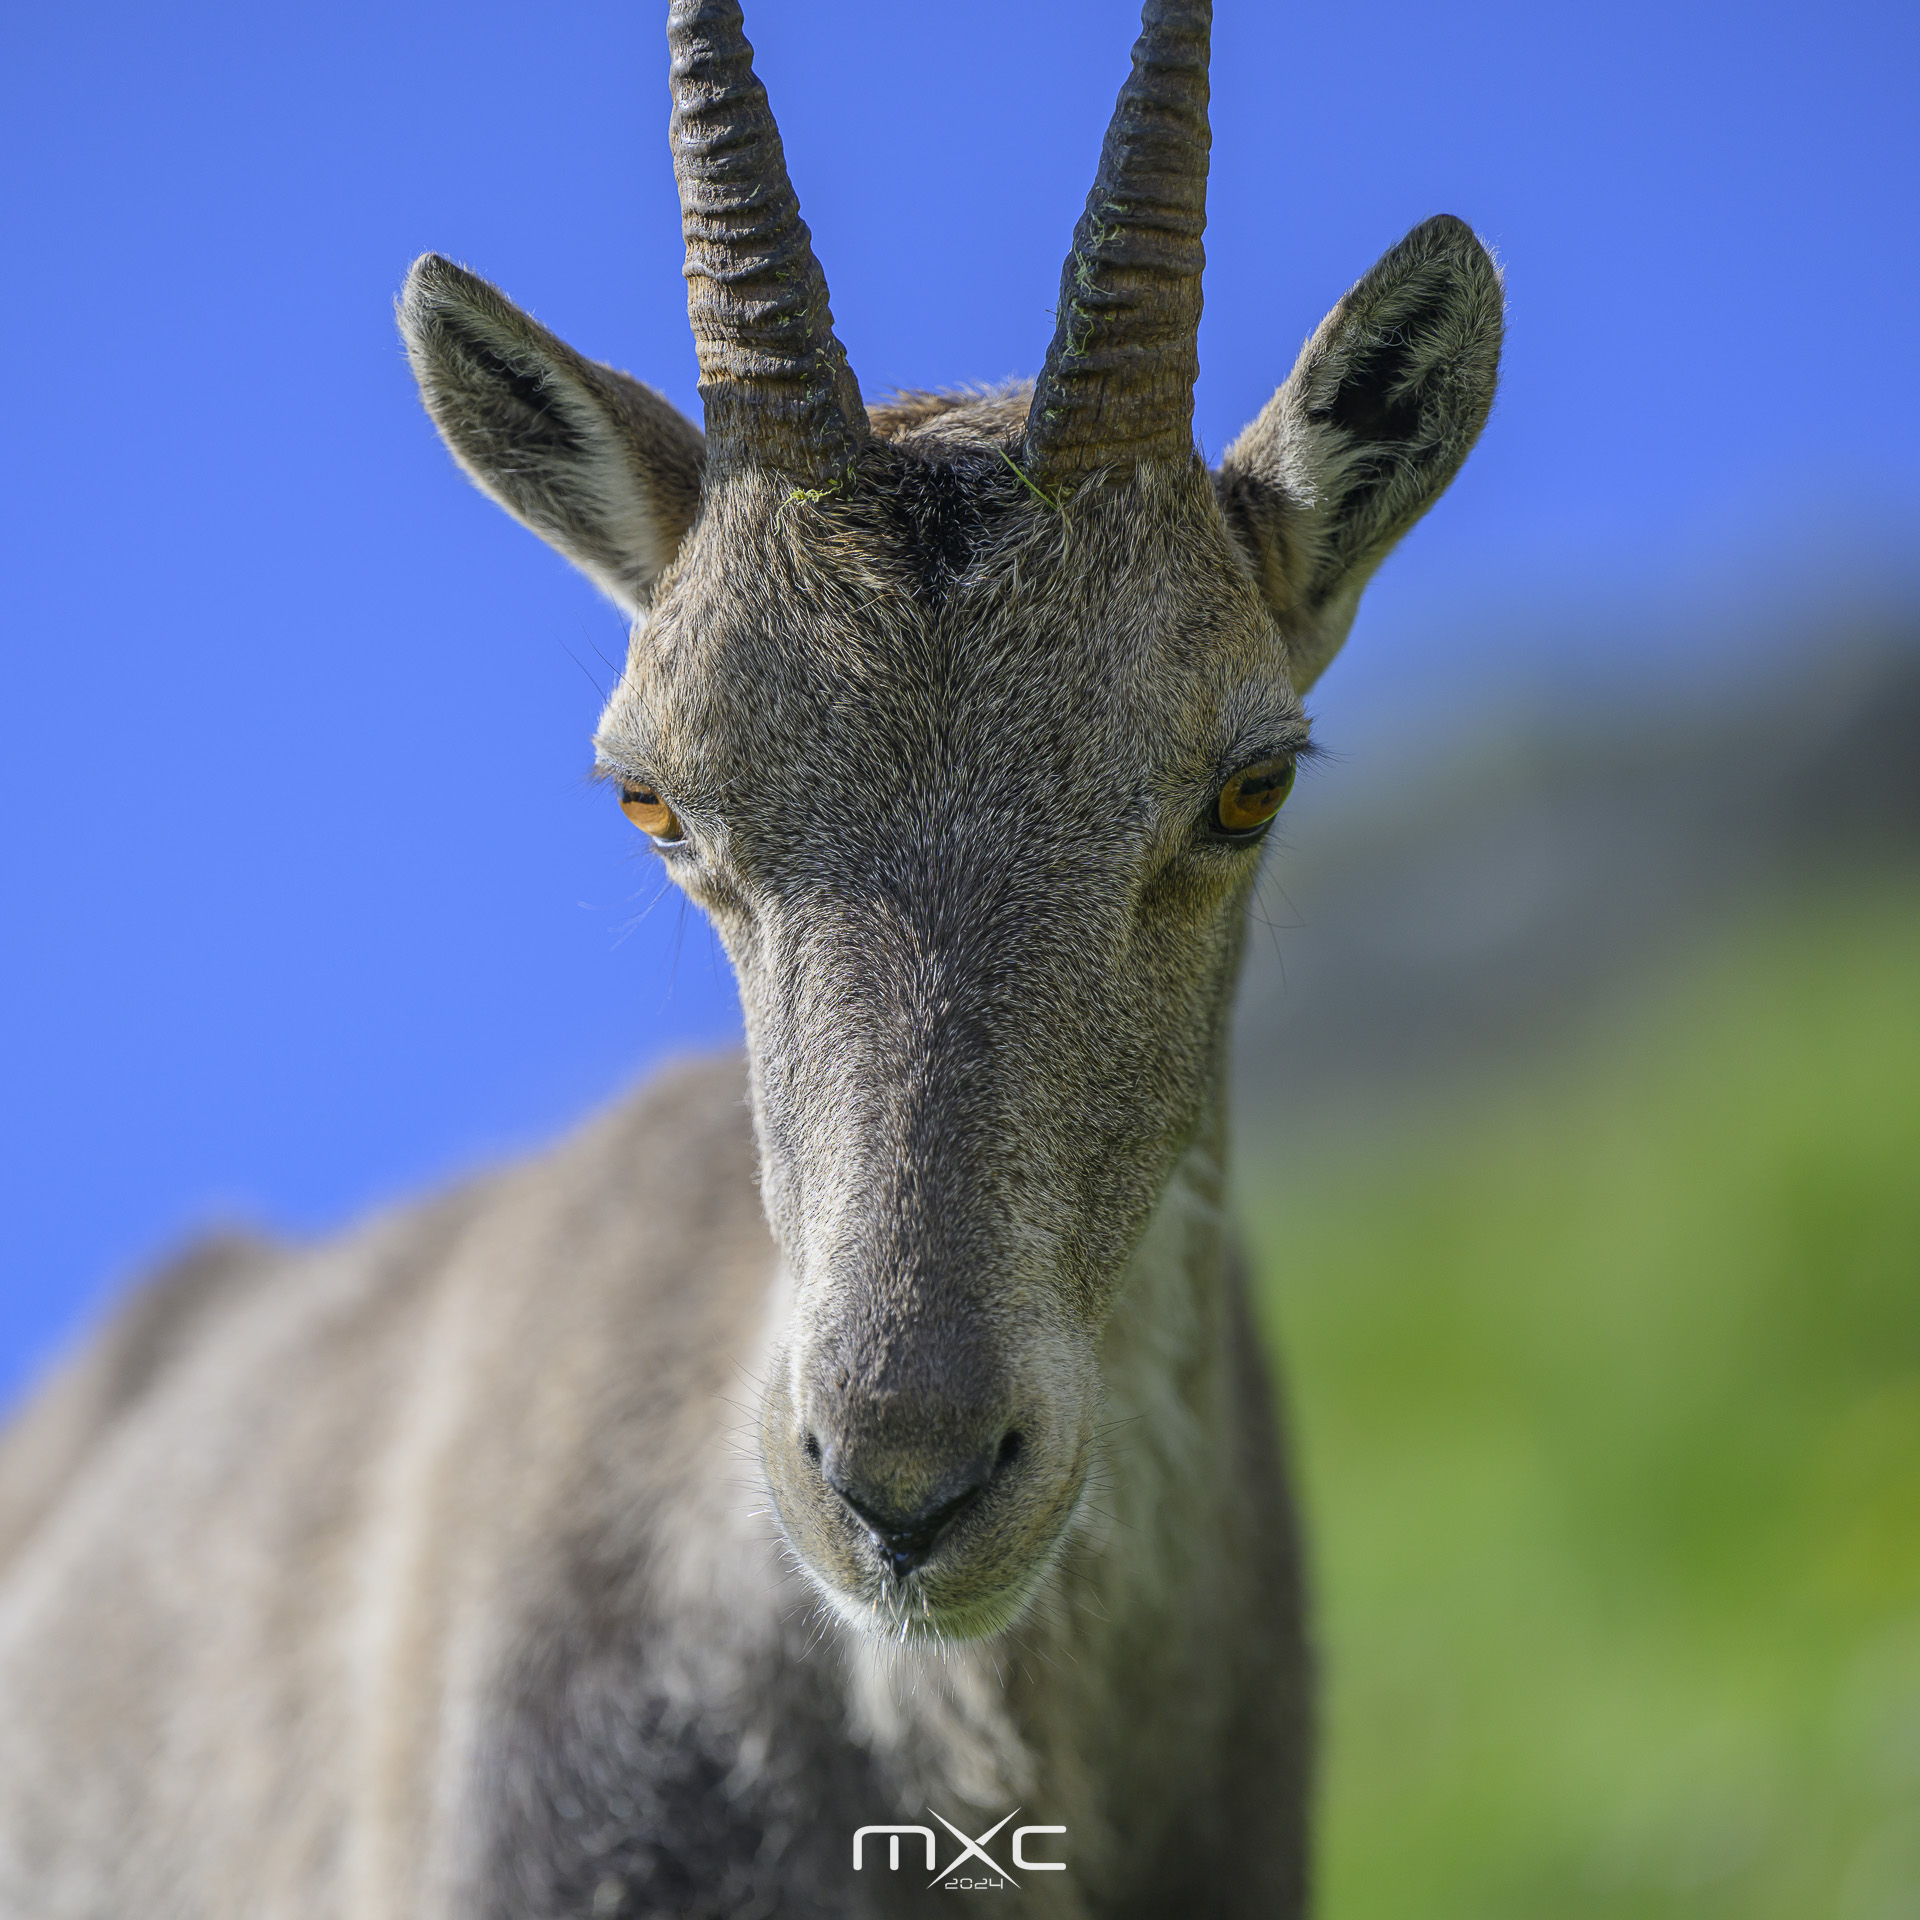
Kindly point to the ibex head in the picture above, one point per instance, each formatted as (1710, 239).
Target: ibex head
(964, 719)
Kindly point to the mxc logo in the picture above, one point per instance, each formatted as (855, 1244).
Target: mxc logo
(970, 1849)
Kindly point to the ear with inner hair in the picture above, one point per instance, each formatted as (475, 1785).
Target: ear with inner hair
(1383, 405)
(603, 469)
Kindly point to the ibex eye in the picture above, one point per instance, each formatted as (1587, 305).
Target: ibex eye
(644, 807)
(1252, 797)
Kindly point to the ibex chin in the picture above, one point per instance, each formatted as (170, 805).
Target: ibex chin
(873, 1434)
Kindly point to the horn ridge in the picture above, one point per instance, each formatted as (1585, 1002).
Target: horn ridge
(775, 381)
(1117, 386)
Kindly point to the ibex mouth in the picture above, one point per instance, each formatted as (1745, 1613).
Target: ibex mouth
(962, 1589)
(907, 1542)
(907, 1538)
(927, 1539)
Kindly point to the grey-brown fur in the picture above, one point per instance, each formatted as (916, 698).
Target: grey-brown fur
(878, 1426)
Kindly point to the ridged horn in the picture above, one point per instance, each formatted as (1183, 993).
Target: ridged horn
(1118, 383)
(775, 381)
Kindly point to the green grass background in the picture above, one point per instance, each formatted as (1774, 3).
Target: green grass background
(1606, 1389)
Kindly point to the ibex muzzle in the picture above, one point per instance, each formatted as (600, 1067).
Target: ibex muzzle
(954, 1220)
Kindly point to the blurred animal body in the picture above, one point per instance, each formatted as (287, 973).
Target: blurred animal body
(875, 1425)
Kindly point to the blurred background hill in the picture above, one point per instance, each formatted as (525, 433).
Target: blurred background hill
(1476, 901)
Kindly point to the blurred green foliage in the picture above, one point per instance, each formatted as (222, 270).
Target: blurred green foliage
(1606, 1389)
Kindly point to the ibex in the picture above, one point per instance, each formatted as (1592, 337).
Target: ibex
(874, 1434)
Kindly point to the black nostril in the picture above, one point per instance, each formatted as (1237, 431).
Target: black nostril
(1010, 1450)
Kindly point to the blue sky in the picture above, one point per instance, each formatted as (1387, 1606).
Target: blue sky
(307, 900)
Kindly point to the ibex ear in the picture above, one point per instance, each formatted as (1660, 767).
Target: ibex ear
(597, 465)
(1385, 402)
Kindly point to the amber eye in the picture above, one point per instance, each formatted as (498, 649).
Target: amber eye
(1253, 796)
(644, 807)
